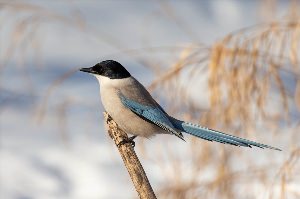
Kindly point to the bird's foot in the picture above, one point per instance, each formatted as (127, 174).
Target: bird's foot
(129, 140)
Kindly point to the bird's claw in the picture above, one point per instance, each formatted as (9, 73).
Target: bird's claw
(128, 140)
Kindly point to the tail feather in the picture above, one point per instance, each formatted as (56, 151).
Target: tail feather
(212, 135)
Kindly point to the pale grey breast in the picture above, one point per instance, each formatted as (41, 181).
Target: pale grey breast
(125, 118)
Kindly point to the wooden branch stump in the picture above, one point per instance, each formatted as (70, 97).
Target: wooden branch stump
(130, 159)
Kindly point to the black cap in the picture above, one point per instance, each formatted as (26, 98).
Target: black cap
(108, 68)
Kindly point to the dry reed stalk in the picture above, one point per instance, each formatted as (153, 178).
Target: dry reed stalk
(245, 70)
(130, 159)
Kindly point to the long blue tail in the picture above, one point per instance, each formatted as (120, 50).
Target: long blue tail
(212, 135)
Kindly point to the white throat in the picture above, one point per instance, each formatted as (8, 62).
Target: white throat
(117, 83)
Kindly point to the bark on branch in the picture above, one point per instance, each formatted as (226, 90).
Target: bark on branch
(130, 159)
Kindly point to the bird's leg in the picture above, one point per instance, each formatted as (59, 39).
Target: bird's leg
(129, 140)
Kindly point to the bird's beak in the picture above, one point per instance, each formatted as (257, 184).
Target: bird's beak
(87, 70)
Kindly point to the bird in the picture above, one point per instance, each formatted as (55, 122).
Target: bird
(135, 111)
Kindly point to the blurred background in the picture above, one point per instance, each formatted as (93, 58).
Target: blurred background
(227, 64)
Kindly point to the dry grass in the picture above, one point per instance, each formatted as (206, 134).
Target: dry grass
(250, 73)
(245, 69)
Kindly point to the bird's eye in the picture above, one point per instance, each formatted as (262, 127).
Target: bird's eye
(97, 69)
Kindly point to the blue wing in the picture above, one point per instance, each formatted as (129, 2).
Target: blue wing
(212, 135)
(152, 114)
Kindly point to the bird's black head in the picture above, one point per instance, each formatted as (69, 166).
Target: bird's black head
(108, 68)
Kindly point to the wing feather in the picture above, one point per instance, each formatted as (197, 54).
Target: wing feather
(152, 114)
